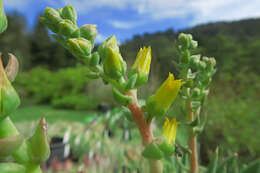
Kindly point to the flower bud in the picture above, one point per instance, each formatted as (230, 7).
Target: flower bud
(67, 28)
(38, 145)
(68, 12)
(89, 32)
(3, 19)
(80, 47)
(51, 19)
(170, 130)
(195, 60)
(114, 65)
(142, 66)
(185, 41)
(159, 103)
(9, 99)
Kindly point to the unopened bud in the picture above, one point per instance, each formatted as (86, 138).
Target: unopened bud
(114, 65)
(38, 144)
(51, 19)
(89, 32)
(68, 12)
(67, 28)
(142, 66)
(80, 47)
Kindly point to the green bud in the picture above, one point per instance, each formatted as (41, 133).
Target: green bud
(195, 60)
(59, 10)
(110, 42)
(68, 29)
(51, 19)
(80, 47)
(9, 145)
(38, 145)
(114, 65)
(68, 12)
(9, 99)
(89, 32)
(3, 19)
(202, 65)
(184, 40)
(193, 44)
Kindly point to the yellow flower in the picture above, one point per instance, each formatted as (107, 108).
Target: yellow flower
(159, 103)
(143, 60)
(170, 130)
(141, 66)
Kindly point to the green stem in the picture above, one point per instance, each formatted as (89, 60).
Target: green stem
(192, 142)
(144, 129)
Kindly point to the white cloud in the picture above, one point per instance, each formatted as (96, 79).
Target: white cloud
(197, 11)
(200, 11)
(124, 24)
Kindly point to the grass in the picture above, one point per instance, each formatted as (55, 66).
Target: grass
(35, 112)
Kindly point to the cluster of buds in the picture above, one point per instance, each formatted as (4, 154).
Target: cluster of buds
(79, 41)
(30, 153)
(196, 71)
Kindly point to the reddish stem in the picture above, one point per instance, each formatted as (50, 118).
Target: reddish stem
(138, 116)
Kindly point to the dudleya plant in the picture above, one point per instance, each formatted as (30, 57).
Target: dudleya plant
(108, 64)
(27, 153)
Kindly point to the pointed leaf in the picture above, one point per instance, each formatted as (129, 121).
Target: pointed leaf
(120, 98)
(38, 144)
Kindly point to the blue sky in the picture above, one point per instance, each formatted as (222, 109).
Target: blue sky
(126, 18)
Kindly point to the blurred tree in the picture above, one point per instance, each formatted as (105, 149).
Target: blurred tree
(16, 40)
(47, 52)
